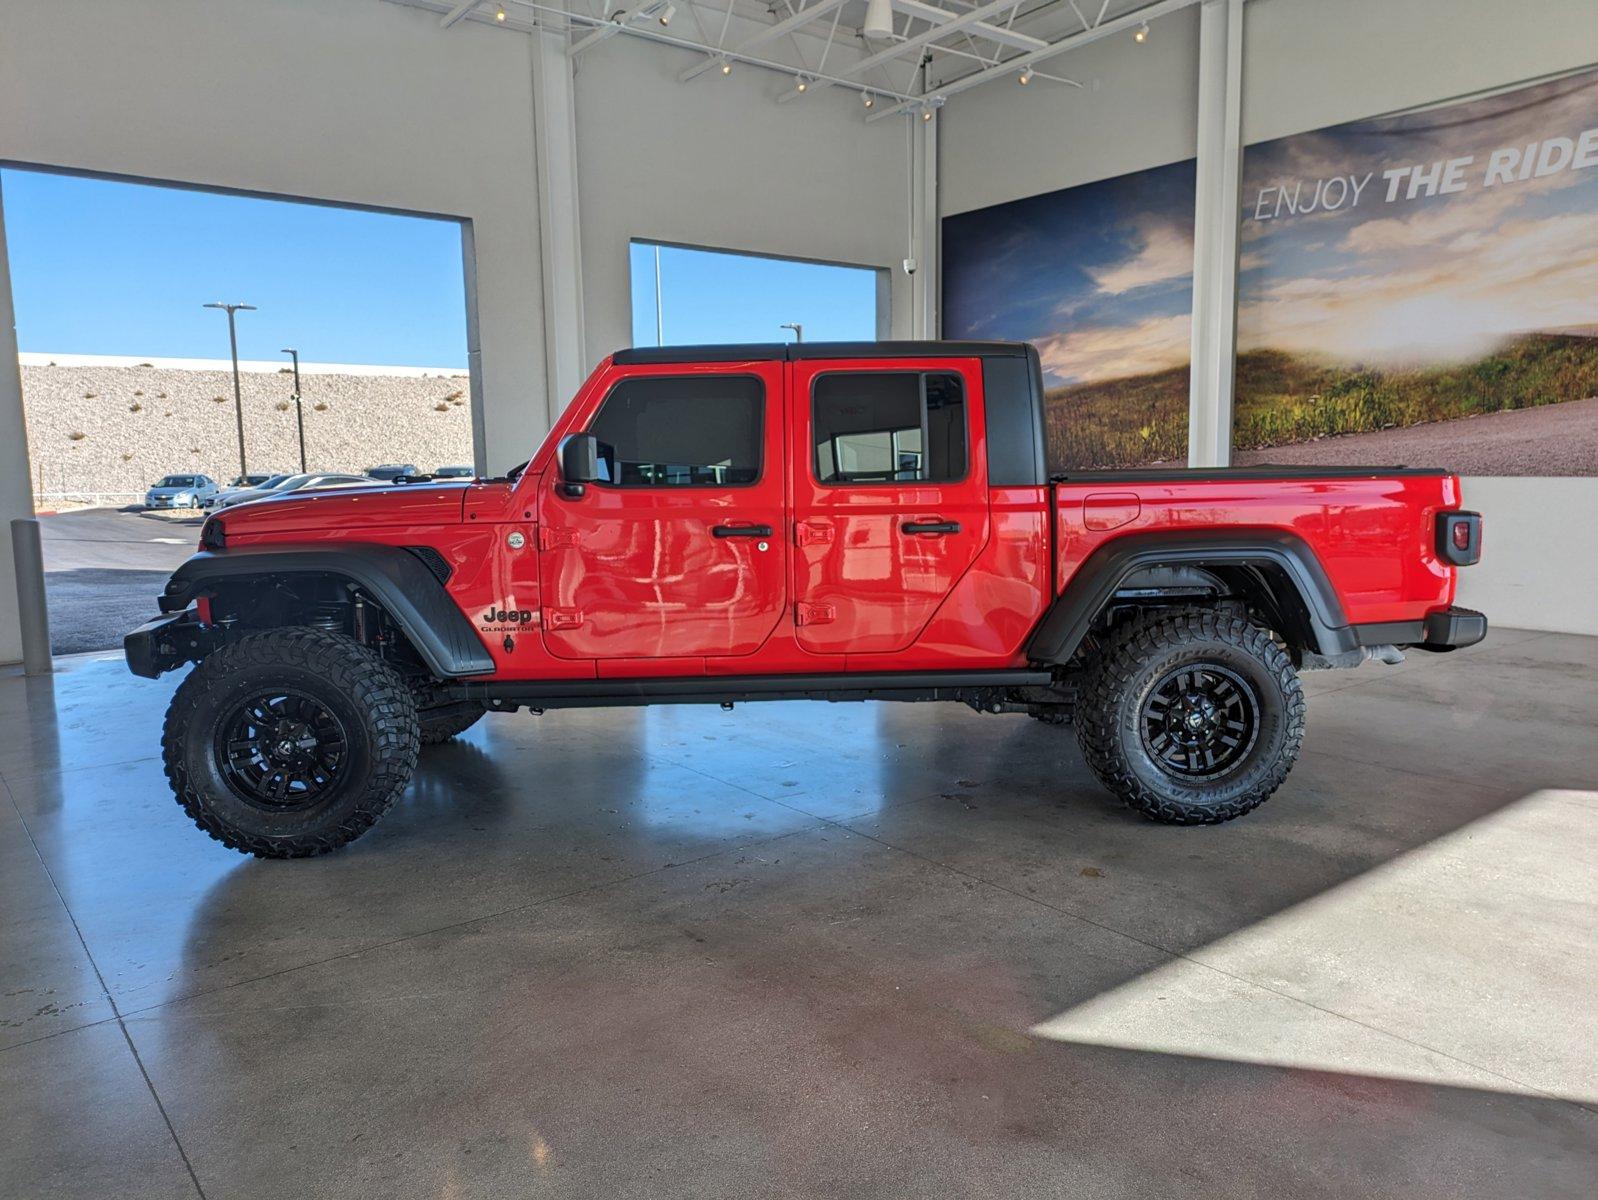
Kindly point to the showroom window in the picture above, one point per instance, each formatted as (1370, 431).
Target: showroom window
(889, 427)
(681, 431)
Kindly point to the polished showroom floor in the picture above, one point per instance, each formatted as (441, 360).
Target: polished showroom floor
(819, 950)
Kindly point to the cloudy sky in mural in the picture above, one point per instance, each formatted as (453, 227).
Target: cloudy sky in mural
(1100, 276)
(1473, 222)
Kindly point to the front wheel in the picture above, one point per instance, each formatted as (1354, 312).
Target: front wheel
(290, 742)
(1191, 717)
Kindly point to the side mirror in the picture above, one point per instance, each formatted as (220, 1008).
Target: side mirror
(579, 463)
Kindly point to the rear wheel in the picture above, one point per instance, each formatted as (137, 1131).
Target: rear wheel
(290, 742)
(1192, 717)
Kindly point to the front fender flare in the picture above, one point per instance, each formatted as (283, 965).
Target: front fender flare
(1088, 591)
(396, 578)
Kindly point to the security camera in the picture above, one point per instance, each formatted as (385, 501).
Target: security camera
(909, 266)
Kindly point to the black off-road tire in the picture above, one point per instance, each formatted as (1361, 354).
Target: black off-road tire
(365, 700)
(444, 723)
(1117, 702)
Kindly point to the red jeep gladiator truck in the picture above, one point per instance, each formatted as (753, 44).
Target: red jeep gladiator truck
(815, 521)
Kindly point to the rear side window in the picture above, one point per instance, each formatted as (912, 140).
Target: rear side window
(889, 427)
(681, 431)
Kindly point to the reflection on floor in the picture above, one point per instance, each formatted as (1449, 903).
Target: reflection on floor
(819, 950)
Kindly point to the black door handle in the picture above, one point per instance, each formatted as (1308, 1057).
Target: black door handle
(930, 527)
(742, 531)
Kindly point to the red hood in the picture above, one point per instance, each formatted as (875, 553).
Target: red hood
(348, 508)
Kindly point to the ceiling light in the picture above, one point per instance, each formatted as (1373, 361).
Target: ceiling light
(726, 67)
(801, 86)
(499, 13)
(878, 25)
(868, 99)
(926, 114)
(667, 13)
(1025, 77)
(1141, 34)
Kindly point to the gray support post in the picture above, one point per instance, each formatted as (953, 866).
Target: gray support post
(16, 480)
(33, 614)
(1216, 214)
(559, 226)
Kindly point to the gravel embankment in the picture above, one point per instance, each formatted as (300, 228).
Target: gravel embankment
(110, 431)
(1555, 439)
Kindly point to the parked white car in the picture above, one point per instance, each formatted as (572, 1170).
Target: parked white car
(181, 491)
(290, 483)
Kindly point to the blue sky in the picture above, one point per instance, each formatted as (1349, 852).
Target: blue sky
(1099, 276)
(103, 267)
(709, 297)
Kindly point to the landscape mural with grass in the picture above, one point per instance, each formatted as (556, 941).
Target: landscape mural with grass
(1397, 277)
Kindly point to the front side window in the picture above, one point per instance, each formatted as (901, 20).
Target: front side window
(889, 427)
(681, 431)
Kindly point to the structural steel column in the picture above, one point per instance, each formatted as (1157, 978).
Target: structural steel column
(924, 301)
(16, 487)
(555, 140)
(1216, 217)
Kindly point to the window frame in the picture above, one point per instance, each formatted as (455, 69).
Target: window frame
(647, 377)
(921, 374)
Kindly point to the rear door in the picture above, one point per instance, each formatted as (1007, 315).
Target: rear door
(679, 553)
(890, 496)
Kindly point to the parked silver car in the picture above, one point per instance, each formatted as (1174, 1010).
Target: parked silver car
(290, 483)
(181, 491)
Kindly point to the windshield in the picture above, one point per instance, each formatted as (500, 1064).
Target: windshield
(177, 481)
(275, 481)
(293, 482)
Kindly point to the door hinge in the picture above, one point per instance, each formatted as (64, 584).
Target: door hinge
(563, 618)
(550, 539)
(814, 614)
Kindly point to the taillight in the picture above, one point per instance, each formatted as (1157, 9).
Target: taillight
(1459, 538)
(212, 535)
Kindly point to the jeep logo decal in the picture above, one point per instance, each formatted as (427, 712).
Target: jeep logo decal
(501, 616)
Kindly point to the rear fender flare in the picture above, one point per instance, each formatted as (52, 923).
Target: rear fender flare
(398, 579)
(1278, 552)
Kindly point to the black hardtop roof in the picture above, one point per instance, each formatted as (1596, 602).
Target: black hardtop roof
(797, 351)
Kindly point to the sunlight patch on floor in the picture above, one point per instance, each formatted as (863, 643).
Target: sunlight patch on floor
(1458, 963)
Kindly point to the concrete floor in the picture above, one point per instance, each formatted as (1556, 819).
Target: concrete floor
(820, 951)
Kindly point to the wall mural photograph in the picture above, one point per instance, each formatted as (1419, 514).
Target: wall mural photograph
(1416, 289)
(1100, 277)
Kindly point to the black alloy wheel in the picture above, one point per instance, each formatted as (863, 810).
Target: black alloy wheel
(1200, 721)
(281, 750)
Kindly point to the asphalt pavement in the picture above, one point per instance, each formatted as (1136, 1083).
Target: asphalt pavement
(104, 568)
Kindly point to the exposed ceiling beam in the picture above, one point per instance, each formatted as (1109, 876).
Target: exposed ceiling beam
(993, 33)
(771, 33)
(899, 49)
(456, 13)
(1071, 42)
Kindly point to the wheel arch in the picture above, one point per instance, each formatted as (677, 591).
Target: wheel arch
(406, 584)
(1277, 570)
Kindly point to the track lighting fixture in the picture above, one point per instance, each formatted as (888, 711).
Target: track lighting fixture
(1025, 77)
(499, 13)
(926, 114)
(868, 99)
(667, 13)
(1141, 33)
(726, 67)
(802, 86)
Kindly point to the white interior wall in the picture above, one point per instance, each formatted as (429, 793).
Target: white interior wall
(714, 162)
(1307, 64)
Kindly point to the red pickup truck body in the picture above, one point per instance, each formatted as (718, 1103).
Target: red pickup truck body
(633, 582)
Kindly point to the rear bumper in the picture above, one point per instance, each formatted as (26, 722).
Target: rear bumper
(1453, 627)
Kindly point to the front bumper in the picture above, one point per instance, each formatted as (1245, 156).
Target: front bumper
(163, 643)
(1452, 628)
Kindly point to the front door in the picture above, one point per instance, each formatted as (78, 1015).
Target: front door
(890, 497)
(679, 553)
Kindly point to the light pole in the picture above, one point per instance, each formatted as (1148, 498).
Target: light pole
(238, 400)
(798, 330)
(299, 413)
